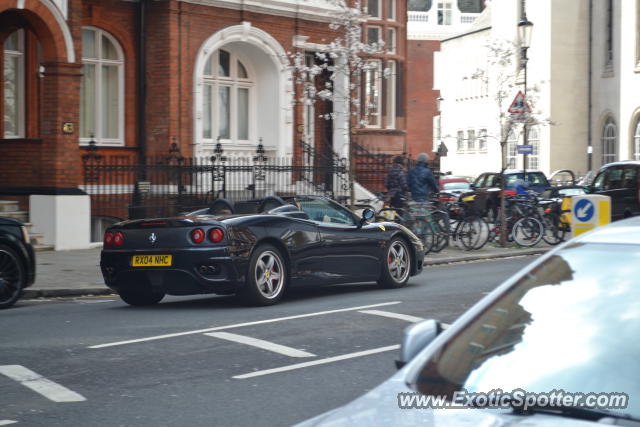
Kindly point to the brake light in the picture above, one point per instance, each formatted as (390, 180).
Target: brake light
(216, 235)
(118, 239)
(108, 238)
(197, 235)
(447, 198)
(509, 193)
(153, 224)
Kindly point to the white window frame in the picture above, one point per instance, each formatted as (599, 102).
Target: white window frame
(379, 29)
(20, 85)
(99, 63)
(215, 81)
(460, 143)
(379, 15)
(635, 152)
(482, 140)
(391, 94)
(373, 74)
(446, 8)
(471, 140)
(392, 40)
(609, 141)
(391, 10)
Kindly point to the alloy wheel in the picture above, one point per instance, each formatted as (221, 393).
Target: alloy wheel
(269, 274)
(398, 261)
(10, 278)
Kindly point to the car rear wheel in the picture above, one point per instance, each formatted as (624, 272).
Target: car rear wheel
(397, 266)
(141, 297)
(12, 277)
(267, 277)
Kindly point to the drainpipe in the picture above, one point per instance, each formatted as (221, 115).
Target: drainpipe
(142, 84)
(589, 91)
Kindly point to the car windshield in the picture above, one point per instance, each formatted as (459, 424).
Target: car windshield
(456, 185)
(533, 179)
(571, 323)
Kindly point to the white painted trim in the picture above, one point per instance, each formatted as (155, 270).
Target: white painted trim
(310, 10)
(258, 343)
(66, 33)
(36, 382)
(239, 325)
(247, 33)
(318, 362)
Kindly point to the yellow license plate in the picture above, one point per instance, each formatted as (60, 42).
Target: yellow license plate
(152, 260)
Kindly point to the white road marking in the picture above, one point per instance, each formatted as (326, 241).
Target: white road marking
(239, 325)
(317, 362)
(265, 345)
(7, 422)
(408, 318)
(40, 384)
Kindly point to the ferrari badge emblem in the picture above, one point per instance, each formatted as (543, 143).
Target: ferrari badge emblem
(153, 238)
(381, 227)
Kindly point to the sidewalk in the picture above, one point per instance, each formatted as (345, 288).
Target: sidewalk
(77, 273)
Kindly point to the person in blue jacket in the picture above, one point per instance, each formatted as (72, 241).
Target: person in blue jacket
(421, 181)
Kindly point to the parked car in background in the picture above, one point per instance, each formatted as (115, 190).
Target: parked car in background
(451, 187)
(562, 178)
(488, 186)
(567, 322)
(621, 182)
(17, 261)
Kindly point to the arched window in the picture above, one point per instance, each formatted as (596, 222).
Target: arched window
(533, 159)
(14, 100)
(636, 141)
(227, 98)
(102, 89)
(512, 150)
(609, 142)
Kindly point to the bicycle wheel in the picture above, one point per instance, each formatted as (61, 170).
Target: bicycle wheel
(482, 231)
(441, 227)
(423, 230)
(527, 231)
(467, 233)
(554, 232)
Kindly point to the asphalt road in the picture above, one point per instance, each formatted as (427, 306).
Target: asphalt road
(204, 361)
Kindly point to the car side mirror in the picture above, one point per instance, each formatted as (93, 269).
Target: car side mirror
(417, 337)
(367, 215)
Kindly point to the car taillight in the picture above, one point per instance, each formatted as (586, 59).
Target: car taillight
(509, 193)
(108, 238)
(216, 235)
(197, 235)
(118, 239)
(447, 199)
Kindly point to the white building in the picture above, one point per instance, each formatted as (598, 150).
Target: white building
(586, 90)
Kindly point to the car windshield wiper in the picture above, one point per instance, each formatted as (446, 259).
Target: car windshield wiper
(583, 413)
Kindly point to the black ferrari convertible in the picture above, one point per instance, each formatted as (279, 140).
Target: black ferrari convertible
(306, 241)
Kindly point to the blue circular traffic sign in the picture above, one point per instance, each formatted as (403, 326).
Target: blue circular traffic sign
(584, 210)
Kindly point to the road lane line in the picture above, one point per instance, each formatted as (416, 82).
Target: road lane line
(391, 315)
(7, 422)
(239, 325)
(317, 362)
(40, 384)
(265, 345)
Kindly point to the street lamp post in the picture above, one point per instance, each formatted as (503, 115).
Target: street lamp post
(525, 28)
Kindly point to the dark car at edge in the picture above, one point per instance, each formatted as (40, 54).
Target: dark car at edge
(308, 241)
(17, 261)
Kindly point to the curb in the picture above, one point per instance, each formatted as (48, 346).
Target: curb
(65, 292)
(487, 257)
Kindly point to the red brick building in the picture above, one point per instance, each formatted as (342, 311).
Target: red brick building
(136, 76)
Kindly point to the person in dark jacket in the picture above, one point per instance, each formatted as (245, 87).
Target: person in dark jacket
(422, 183)
(396, 183)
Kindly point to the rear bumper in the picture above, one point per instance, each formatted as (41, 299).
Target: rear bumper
(193, 271)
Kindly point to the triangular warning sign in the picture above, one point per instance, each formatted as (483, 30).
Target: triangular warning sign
(519, 105)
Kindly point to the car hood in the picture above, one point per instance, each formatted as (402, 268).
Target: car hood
(380, 407)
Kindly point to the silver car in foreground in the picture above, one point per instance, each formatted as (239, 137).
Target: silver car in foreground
(568, 324)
